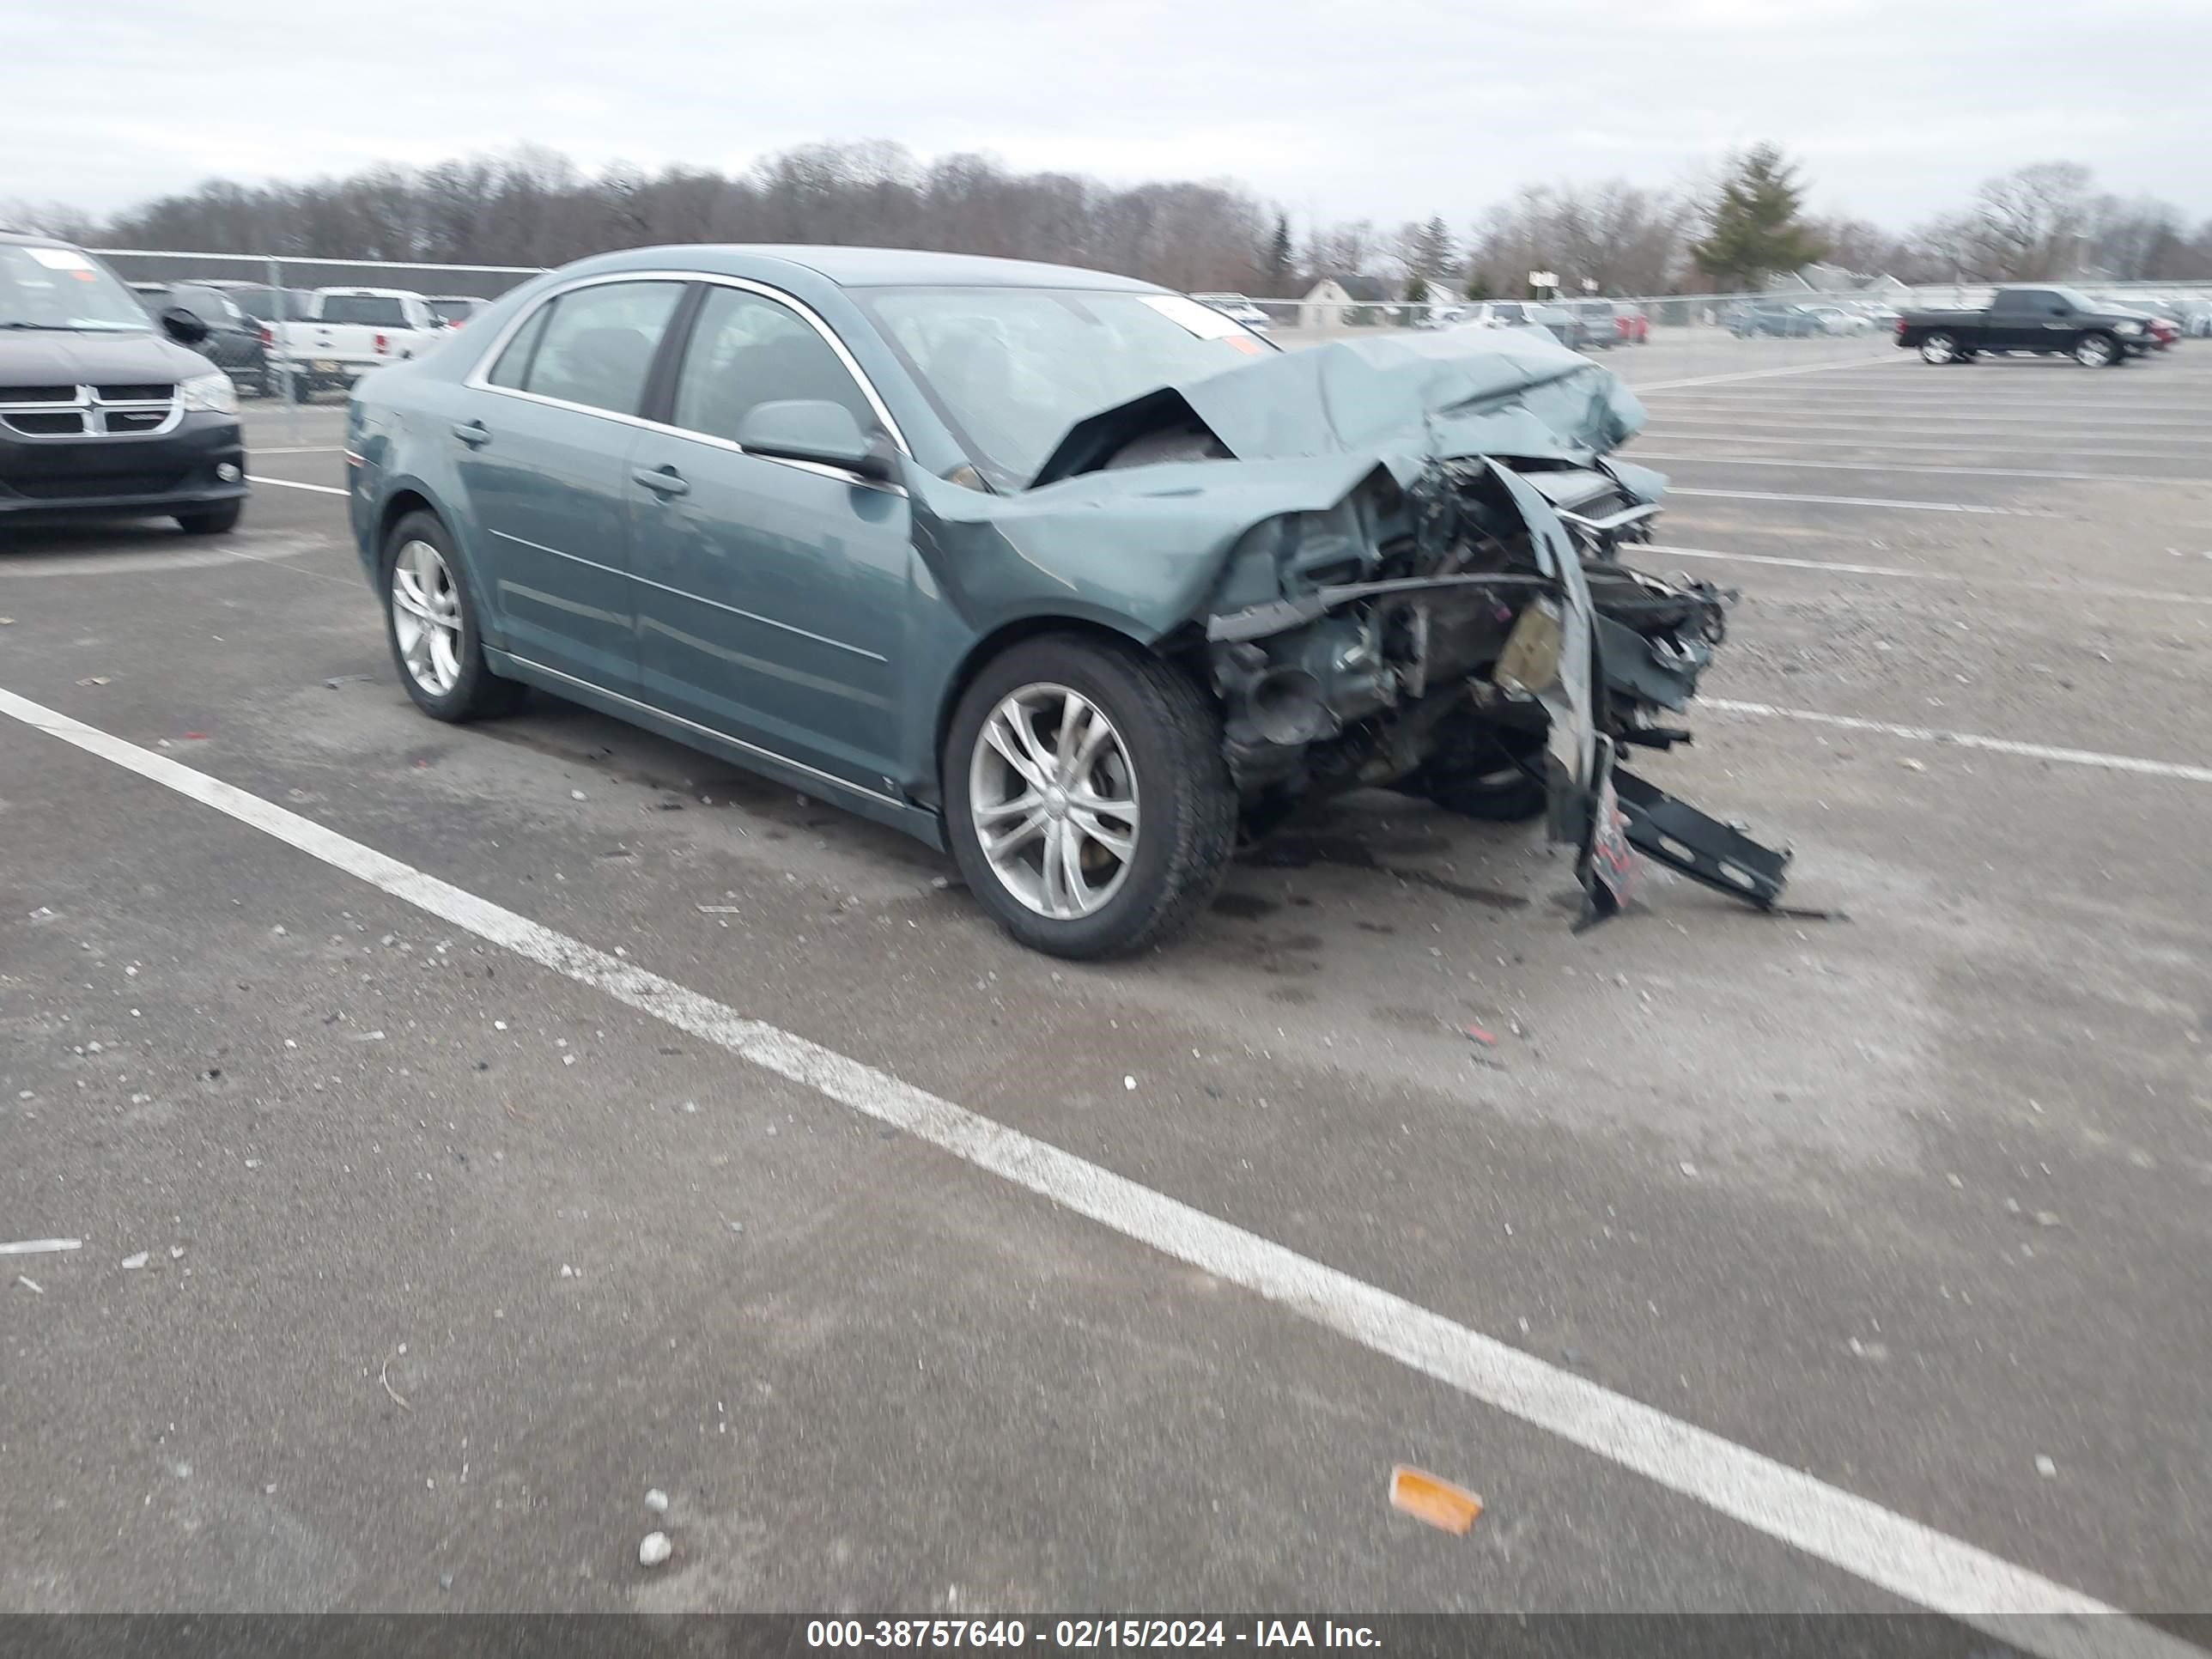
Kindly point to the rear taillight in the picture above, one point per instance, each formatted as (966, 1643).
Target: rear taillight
(1900, 325)
(383, 345)
(268, 335)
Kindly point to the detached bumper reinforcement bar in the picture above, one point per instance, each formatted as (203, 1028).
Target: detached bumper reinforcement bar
(1675, 834)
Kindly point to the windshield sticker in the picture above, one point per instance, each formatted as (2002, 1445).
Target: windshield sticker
(1204, 321)
(59, 258)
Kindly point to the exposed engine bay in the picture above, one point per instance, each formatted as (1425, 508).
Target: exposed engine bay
(1475, 636)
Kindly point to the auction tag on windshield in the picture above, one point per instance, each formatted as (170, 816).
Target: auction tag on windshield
(59, 258)
(1204, 321)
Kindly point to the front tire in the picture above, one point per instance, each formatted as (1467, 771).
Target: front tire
(1939, 348)
(1087, 798)
(1481, 773)
(430, 623)
(212, 521)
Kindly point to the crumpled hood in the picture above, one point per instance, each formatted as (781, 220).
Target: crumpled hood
(1462, 393)
(1143, 548)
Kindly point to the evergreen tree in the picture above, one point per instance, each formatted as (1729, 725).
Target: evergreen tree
(1278, 263)
(1753, 226)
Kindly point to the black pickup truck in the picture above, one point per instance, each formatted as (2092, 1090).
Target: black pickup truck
(2037, 319)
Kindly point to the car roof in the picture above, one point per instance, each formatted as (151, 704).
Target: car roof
(372, 293)
(866, 267)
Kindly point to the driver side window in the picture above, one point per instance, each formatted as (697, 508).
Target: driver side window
(747, 350)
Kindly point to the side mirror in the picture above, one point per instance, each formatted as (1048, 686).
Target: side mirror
(181, 326)
(815, 430)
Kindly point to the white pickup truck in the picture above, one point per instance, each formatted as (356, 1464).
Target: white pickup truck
(350, 331)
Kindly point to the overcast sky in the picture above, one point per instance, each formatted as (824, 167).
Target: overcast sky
(1390, 111)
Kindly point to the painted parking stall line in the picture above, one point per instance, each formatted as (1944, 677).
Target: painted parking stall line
(1756, 374)
(1889, 418)
(1796, 461)
(1891, 1551)
(1975, 440)
(1978, 508)
(2153, 768)
(293, 484)
(1837, 567)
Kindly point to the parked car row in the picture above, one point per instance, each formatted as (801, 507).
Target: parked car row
(1797, 319)
(1581, 325)
(317, 339)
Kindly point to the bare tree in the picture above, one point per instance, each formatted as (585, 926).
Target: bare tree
(2033, 222)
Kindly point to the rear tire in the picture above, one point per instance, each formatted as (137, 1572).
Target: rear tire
(212, 521)
(1160, 757)
(1939, 348)
(446, 675)
(2099, 351)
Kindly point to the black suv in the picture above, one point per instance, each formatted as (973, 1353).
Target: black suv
(104, 410)
(236, 344)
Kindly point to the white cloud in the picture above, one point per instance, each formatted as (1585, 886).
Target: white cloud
(1895, 108)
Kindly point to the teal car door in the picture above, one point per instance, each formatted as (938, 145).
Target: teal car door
(771, 595)
(543, 440)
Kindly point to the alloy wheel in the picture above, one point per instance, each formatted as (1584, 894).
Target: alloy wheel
(426, 618)
(1053, 797)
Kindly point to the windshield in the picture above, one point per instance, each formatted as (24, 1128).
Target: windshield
(1010, 369)
(452, 311)
(58, 287)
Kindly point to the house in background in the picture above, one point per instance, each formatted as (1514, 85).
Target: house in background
(1327, 304)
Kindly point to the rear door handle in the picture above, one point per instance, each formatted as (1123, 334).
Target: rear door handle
(475, 434)
(665, 482)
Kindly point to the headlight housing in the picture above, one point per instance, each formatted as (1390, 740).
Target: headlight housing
(2127, 328)
(212, 392)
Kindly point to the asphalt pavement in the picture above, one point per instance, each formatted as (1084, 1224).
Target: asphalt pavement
(876, 1253)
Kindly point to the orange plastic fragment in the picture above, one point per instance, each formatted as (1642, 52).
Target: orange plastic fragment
(1448, 1508)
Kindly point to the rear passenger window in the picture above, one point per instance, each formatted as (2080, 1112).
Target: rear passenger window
(747, 350)
(596, 344)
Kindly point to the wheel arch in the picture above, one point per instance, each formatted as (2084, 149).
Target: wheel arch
(410, 496)
(1003, 638)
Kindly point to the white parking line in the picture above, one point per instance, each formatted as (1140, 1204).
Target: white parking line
(1793, 398)
(1794, 461)
(1901, 1555)
(1754, 375)
(2084, 590)
(2155, 769)
(293, 484)
(302, 449)
(1969, 440)
(1673, 490)
(1907, 421)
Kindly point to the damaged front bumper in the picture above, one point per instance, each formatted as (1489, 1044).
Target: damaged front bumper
(1504, 605)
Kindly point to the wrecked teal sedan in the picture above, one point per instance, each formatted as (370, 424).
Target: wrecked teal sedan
(1073, 576)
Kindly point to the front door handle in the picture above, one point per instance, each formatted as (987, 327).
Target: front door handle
(665, 482)
(475, 434)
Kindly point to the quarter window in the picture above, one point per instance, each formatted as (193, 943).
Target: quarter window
(594, 345)
(513, 364)
(746, 351)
